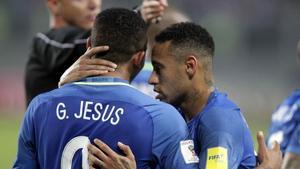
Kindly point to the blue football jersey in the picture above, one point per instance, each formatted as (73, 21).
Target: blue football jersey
(59, 124)
(285, 126)
(221, 135)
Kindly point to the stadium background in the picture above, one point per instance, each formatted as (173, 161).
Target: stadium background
(255, 59)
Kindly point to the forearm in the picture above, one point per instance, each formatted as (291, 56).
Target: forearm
(291, 161)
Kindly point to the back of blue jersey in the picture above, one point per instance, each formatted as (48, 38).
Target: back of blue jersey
(58, 126)
(77, 114)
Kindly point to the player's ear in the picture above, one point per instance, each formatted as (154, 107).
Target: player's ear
(88, 42)
(53, 6)
(138, 59)
(191, 64)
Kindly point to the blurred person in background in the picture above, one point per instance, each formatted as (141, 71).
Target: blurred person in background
(285, 128)
(70, 23)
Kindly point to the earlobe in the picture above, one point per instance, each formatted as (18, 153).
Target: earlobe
(139, 59)
(191, 64)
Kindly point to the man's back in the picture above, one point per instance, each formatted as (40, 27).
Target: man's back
(63, 121)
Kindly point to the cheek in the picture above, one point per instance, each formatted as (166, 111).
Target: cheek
(169, 85)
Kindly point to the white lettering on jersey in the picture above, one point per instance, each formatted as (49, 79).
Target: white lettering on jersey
(92, 111)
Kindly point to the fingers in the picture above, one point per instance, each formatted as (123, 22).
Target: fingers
(262, 148)
(152, 9)
(93, 51)
(126, 149)
(105, 148)
(276, 146)
(97, 62)
(164, 2)
(261, 141)
(96, 156)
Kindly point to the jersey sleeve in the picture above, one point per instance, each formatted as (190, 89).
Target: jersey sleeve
(224, 141)
(26, 155)
(217, 149)
(172, 146)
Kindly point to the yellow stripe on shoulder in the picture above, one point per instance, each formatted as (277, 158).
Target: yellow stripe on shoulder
(217, 158)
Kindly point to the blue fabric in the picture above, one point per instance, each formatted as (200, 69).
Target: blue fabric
(285, 124)
(100, 107)
(221, 124)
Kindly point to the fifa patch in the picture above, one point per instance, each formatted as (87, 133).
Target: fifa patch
(188, 151)
(217, 158)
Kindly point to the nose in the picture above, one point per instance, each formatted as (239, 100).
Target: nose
(95, 4)
(153, 80)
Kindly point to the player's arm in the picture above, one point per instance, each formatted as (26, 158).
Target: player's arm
(268, 158)
(291, 161)
(292, 157)
(85, 66)
(26, 155)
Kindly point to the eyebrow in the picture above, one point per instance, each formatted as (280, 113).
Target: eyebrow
(156, 63)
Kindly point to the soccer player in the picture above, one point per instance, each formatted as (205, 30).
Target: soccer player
(182, 76)
(285, 128)
(59, 123)
(70, 23)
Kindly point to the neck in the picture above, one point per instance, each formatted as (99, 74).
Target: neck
(120, 72)
(195, 102)
(57, 22)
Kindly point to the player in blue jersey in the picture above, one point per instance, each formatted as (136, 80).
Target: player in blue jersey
(182, 61)
(285, 128)
(58, 125)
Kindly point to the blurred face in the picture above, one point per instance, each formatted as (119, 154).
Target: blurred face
(168, 76)
(81, 13)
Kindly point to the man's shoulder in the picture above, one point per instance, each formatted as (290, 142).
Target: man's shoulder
(66, 37)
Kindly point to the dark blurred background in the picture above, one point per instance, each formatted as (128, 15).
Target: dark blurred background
(255, 61)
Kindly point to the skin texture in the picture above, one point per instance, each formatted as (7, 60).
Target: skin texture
(291, 161)
(80, 13)
(162, 77)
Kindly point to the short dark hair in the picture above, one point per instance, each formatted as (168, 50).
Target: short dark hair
(123, 30)
(188, 37)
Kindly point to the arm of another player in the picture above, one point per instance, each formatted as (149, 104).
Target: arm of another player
(268, 158)
(87, 66)
(101, 155)
(152, 10)
(292, 157)
(291, 161)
